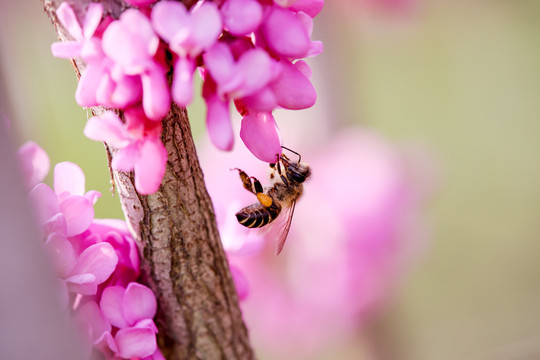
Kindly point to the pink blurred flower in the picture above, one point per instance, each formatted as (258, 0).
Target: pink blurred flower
(34, 163)
(351, 237)
(137, 150)
(188, 34)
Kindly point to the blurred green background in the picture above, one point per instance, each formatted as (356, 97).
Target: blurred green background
(460, 78)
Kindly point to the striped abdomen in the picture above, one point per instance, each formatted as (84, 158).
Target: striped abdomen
(257, 215)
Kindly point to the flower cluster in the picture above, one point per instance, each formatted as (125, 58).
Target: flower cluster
(96, 261)
(247, 51)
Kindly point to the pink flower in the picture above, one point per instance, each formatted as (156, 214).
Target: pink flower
(291, 89)
(132, 44)
(131, 310)
(188, 35)
(284, 33)
(34, 163)
(144, 153)
(235, 79)
(115, 232)
(68, 206)
(85, 45)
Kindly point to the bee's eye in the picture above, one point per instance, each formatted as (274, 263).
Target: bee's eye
(298, 177)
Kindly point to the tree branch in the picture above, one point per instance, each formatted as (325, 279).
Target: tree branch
(182, 257)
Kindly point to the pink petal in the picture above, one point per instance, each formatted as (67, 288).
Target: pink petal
(135, 342)
(105, 342)
(139, 303)
(220, 62)
(257, 69)
(157, 355)
(310, 7)
(78, 212)
(262, 101)
(56, 224)
(99, 260)
(67, 17)
(90, 82)
(285, 34)
(90, 314)
(108, 128)
(125, 159)
(45, 202)
(316, 48)
(68, 178)
(67, 49)
(241, 17)
(168, 18)
(92, 196)
(205, 27)
(182, 87)
(131, 42)
(62, 254)
(84, 284)
(156, 96)
(128, 90)
(150, 167)
(34, 163)
(293, 89)
(94, 11)
(218, 123)
(260, 134)
(111, 306)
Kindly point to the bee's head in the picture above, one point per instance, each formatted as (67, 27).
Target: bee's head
(298, 172)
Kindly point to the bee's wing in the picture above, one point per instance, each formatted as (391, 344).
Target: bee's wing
(285, 230)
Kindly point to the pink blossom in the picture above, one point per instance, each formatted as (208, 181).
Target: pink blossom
(284, 33)
(227, 79)
(291, 89)
(85, 45)
(188, 35)
(69, 201)
(132, 44)
(34, 163)
(138, 151)
(131, 310)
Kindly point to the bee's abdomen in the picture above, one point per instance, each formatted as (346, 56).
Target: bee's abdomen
(256, 215)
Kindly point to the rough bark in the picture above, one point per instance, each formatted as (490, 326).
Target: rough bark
(182, 257)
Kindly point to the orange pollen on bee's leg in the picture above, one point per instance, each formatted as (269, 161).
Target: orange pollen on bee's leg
(264, 199)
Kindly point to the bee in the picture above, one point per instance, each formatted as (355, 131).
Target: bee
(287, 185)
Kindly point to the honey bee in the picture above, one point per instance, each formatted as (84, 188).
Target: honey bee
(287, 185)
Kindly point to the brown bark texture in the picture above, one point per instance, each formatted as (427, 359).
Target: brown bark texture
(183, 261)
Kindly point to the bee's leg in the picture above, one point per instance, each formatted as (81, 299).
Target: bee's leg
(250, 183)
(283, 178)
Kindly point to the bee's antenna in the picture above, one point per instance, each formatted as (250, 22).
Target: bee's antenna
(294, 152)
